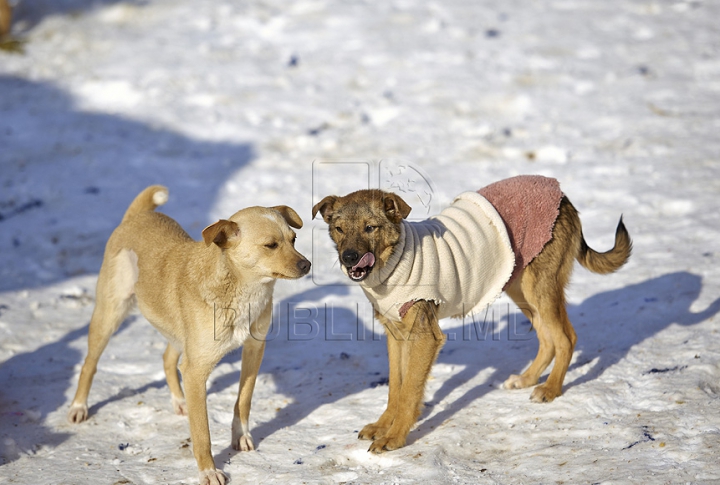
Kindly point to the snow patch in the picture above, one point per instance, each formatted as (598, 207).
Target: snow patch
(108, 94)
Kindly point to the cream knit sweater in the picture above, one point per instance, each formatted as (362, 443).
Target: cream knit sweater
(460, 259)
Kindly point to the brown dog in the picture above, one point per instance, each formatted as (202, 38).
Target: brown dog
(207, 298)
(415, 273)
(5, 18)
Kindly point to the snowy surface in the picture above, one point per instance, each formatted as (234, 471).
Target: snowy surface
(232, 104)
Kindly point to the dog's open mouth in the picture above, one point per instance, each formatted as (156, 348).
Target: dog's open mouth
(360, 271)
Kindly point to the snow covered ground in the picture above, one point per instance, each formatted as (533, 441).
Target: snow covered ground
(269, 102)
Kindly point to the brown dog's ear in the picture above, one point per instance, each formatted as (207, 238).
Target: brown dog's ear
(325, 207)
(220, 233)
(395, 208)
(289, 215)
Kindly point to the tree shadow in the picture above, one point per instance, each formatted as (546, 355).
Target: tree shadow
(608, 325)
(74, 173)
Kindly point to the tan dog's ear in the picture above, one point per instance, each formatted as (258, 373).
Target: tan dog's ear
(325, 207)
(289, 215)
(395, 208)
(220, 233)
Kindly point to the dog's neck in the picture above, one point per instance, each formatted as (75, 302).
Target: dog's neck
(226, 283)
(236, 300)
(381, 275)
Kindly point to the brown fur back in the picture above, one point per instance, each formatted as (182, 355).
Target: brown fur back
(568, 239)
(553, 262)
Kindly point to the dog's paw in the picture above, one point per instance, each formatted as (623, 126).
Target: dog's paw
(243, 443)
(212, 477)
(517, 382)
(372, 432)
(78, 413)
(387, 443)
(179, 406)
(544, 394)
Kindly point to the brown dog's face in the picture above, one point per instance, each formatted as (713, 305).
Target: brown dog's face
(365, 226)
(260, 242)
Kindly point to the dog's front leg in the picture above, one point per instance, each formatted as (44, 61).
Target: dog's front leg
(171, 357)
(395, 342)
(418, 352)
(195, 371)
(252, 355)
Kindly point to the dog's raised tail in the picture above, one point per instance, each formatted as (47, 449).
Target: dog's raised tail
(609, 261)
(147, 200)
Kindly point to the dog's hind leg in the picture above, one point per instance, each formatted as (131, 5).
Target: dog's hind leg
(546, 347)
(556, 323)
(114, 299)
(542, 286)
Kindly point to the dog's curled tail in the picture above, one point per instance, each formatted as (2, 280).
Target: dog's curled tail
(147, 200)
(609, 261)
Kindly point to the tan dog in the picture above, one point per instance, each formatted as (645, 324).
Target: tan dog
(207, 298)
(373, 243)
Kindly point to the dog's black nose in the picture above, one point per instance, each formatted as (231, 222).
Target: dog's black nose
(304, 265)
(350, 257)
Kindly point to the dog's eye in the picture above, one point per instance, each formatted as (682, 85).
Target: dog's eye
(369, 228)
(338, 230)
(272, 245)
(293, 239)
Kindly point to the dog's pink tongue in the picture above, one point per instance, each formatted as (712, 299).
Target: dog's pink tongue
(368, 259)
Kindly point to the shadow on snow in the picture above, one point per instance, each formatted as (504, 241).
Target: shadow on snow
(73, 174)
(608, 325)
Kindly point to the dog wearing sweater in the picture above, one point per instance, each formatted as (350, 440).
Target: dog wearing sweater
(520, 235)
(207, 298)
